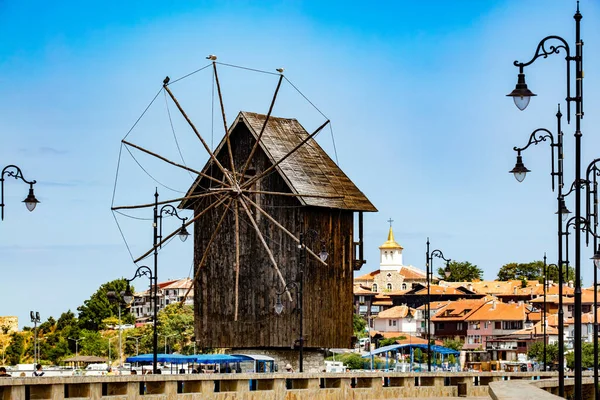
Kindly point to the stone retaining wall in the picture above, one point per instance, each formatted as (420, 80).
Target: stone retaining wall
(359, 386)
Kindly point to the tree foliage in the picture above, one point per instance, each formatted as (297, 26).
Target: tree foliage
(461, 271)
(177, 321)
(454, 344)
(98, 307)
(587, 356)
(359, 324)
(536, 352)
(532, 271)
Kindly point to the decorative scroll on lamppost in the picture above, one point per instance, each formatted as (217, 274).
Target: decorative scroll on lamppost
(298, 286)
(12, 171)
(521, 96)
(429, 270)
(128, 298)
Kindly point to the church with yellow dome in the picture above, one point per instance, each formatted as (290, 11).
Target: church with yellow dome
(392, 275)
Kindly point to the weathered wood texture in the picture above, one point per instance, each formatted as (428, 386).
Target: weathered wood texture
(327, 289)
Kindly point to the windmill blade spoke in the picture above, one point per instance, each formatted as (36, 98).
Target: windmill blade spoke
(171, 162)
(191, 124)
(249, 160)
(205, 254)
(268, 170)
(290, 234)
(318, 196)
(195, 196)
(224, 118)
(216, 203)
(237, 261)
(264, 243)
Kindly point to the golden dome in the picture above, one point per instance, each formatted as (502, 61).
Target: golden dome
(390, 242)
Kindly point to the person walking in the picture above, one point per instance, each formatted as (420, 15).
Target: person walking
(38, 370)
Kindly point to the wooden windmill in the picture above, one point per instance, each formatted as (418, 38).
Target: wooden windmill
(265, 184)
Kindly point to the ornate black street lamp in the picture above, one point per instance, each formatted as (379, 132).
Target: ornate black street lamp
(35, 318)
(521, 95)
(539, 136)
(128, 298)
(13, 171)
(429, 271)
(298, 286)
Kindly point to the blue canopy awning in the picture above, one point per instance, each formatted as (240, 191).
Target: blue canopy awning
(195, 358)
(395, 347)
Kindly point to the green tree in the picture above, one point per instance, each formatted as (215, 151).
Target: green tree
(461, 271)
(454, 344)
(552, 272)
(587, 356)
(536, 352)
(16, 349)
(98, 307)
(521, 271)
(359, 324)
(178, 321)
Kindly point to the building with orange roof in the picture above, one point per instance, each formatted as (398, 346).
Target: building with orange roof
(450, 322)
(398, 318)
(417, 296)
(508, 347)
(493, 319)
(171, 291)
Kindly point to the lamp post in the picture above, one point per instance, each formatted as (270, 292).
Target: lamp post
(592, 214)
(520, 171)
(114, 298)
(166, 337)
(35, 318)
(429, 270)
(298, 286)
(13, 171)
(409, 318)
(128, 298)
(521, 95)
(76, 345)
(137, 343)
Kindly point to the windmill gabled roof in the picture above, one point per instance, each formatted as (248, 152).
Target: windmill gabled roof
(309, 170)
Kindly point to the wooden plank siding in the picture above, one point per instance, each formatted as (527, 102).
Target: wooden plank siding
(328, 295)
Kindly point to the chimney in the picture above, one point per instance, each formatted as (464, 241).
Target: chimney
(470, 287)
(493, 305)
(571, 284)
(515, 290)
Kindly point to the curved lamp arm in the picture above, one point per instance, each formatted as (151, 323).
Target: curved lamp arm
(13, 171)
(543, 50)
(170, 210)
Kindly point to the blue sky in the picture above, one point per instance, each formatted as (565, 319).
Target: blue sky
(415, 93)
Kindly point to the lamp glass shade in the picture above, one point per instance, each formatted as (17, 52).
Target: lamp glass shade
(323, 255)
(447, 271)
(30, 201)
(519, 170)
(520, 176)
(521, 102)
(128, 295)
(278, 305)
(409, 317)
(521, 95)
(596, 258)
(563, 210)
(183, 233)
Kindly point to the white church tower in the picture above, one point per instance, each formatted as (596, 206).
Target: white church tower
(390, 254)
